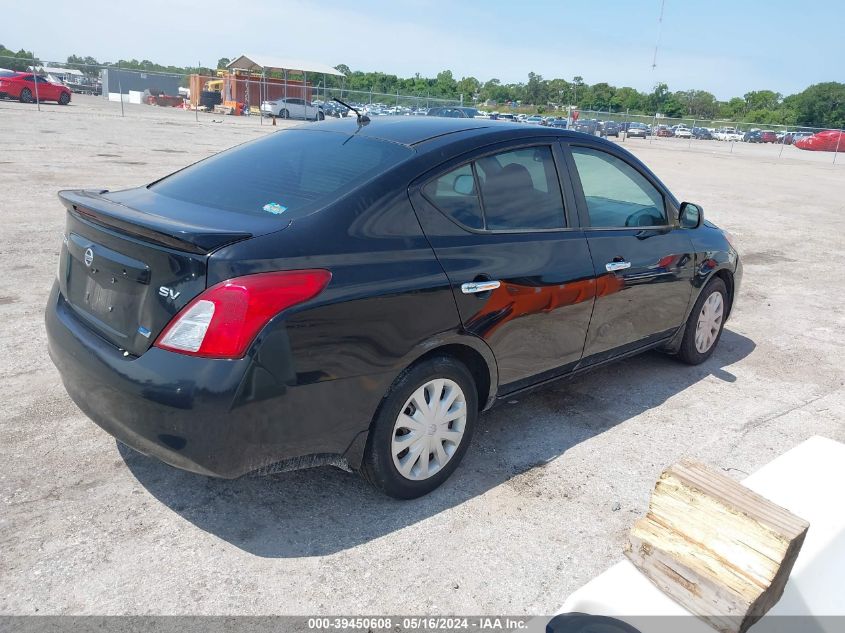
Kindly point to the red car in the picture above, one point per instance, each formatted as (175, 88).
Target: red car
(22, 86)
(827, 141)
(767, 136)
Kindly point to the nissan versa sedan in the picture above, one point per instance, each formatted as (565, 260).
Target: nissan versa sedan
(356, 293)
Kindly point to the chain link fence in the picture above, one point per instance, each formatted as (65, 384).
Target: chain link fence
(202, 93)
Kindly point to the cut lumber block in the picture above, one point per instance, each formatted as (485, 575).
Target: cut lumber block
(718, 549)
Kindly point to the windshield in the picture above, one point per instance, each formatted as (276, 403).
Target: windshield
(290, 171)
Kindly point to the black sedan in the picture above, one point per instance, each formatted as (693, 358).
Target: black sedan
(610, 128)
(357, 293)
(454, 112)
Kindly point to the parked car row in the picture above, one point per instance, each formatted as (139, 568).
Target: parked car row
(318, 110)
(733, 134)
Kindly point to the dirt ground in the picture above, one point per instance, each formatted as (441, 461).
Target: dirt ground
(548, 489)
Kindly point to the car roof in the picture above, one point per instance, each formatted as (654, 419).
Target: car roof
(411, 130)
(438, 132)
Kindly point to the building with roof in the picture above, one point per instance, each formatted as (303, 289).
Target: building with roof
(259, 86)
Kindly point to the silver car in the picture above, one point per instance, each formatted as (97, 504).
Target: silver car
(293, 108)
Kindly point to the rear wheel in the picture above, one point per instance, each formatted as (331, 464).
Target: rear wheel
(64, 98)
(26, 95)
(422, 429)
(705, 323)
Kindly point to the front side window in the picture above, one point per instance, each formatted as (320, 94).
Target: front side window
(617, 195)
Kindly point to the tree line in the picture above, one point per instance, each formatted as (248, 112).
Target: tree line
(819, 105)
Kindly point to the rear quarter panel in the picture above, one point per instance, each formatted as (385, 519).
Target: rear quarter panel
(388, 302)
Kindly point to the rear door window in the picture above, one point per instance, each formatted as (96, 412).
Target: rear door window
(516, 190)
(520, 190)
(288, 172)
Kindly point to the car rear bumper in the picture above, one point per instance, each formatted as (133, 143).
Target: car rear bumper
(208, 416)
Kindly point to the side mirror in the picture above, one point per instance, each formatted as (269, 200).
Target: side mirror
(464, 185)
(690, 216)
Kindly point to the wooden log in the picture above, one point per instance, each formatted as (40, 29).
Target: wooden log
(720, 550)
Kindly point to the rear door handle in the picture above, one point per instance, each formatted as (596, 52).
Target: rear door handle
(613, 266)
(473, 287)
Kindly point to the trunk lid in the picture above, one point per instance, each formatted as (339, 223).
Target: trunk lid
(132, 259)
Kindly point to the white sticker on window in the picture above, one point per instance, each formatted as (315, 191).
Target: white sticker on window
(275, 208)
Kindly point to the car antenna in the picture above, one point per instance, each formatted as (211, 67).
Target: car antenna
(363, 119)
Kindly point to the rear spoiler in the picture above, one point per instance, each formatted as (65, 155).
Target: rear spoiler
(174, 233)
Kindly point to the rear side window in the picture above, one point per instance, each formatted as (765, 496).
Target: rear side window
(617, 195)
(291, 171)
(456, 194)
(511, 191)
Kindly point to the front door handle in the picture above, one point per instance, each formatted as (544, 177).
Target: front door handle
(473, 287)
(614, 266)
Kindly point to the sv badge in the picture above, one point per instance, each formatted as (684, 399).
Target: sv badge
(166, 292)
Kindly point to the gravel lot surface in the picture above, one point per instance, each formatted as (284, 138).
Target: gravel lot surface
(546, 493)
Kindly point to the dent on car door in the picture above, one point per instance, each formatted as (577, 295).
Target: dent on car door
(643, 262)
(500, 220)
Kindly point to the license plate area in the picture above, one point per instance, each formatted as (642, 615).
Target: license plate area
(106, 286)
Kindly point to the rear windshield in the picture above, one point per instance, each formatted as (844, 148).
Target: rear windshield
(290, 171)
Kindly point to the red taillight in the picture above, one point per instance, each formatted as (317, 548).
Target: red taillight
(223, 321)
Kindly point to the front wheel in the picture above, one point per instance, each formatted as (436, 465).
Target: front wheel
(705, 323)
(26, 96)
(321, 116)
(422, 428)
(284, 114)
(64, 98)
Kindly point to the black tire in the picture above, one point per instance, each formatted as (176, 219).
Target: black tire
(378, 466)
(321, 116)
(284, 113)
(26, 96)
(688, 352)
(64, 98)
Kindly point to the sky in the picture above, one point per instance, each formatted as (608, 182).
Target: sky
(727, 47)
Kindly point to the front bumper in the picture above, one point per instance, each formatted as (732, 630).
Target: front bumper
(221, 418)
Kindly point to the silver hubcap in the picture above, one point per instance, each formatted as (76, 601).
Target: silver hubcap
(429, 429)
(709, 322)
